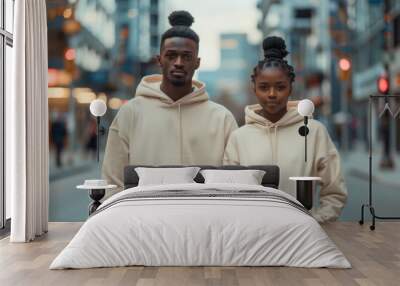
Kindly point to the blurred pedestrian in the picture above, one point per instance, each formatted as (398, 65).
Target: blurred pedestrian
(58, 133)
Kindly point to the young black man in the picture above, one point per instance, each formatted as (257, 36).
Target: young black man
(171, 120)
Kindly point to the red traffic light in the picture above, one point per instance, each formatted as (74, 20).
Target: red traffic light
(383, 84)
(70, 54)
(344, 64)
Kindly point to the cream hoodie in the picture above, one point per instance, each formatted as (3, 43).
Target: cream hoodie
(152, 129)
(263, 142)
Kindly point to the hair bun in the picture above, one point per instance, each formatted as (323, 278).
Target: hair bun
(274, 47)
(181, 18)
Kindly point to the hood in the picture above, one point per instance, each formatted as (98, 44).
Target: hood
(291, 117)
(149, 87)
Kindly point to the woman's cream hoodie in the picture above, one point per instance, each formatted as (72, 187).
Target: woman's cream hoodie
(263, 142)
(152, 129)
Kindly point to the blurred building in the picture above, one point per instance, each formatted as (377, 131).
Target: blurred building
(366, 22)
(140, 25)
(230, 84)
(316, 38)
(98, 49)
(368, 47)
(81, 38)
(391, 32)
(363, 34)
(375, 51)
(304, 27)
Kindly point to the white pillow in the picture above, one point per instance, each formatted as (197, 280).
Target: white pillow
(163, 176)
(248, 177)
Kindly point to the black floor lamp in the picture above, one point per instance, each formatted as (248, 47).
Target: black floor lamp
(370, 205)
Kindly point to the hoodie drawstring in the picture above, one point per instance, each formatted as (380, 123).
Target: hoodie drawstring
(180, 134)
(276, 145)
(270, 141)
(274, 142)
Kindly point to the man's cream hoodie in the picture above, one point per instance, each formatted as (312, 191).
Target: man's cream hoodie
(263, 142)
(152, 129)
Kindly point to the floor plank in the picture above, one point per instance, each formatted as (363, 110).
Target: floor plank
(374, 255)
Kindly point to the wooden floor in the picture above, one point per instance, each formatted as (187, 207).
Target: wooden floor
(374, 255)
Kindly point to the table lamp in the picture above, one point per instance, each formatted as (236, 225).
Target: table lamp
(96, 187)
(305, 108)
(305, 185)
(98, 108)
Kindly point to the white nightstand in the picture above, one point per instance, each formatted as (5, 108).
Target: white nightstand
(305, 190)
(97, 191)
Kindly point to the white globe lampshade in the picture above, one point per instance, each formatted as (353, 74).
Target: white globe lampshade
(305, 107)
(98, 107)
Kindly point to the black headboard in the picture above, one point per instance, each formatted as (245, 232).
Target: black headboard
(270, 179)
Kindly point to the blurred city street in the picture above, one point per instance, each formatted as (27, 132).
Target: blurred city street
(66, 202)
(342, 52)
(386, 186)
(70, 204)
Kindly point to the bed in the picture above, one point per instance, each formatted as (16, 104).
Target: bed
(201, 224)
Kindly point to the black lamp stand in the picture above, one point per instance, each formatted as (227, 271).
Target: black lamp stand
(303, 131)
(96, 195)
(100, 131)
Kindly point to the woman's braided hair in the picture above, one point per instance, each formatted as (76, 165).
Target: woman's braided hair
(274, 54)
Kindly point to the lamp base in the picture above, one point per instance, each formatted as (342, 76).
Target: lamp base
(304, 193)
(305, 187)
(96, 195)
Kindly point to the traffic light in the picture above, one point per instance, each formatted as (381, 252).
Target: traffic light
(344, 68)
(69, 61)
(383, 84)
(69, 54)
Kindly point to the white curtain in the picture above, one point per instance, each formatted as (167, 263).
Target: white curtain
(27, 124)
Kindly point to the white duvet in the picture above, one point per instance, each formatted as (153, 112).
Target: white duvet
(183, 231)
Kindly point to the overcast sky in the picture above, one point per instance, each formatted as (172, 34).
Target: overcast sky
(213, 17)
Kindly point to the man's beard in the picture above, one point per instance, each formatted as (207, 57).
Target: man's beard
(178, 82)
